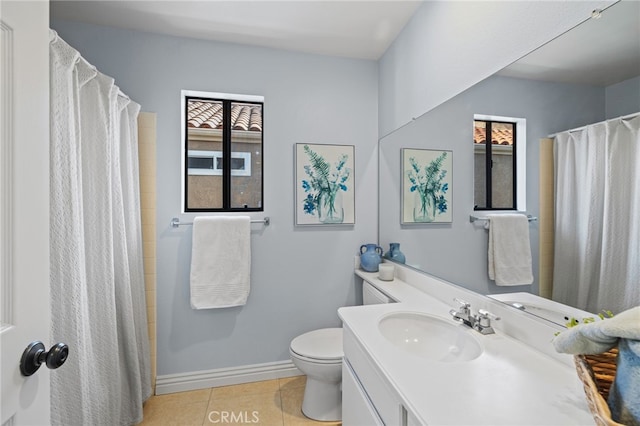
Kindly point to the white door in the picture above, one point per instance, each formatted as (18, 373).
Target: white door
(24, 206)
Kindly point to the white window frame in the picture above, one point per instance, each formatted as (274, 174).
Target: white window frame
(521, 156)
(246, 156)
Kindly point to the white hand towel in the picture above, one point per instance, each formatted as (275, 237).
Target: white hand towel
(220, 261)
(509, 253)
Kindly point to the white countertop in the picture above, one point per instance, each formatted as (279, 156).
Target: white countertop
(509, 384)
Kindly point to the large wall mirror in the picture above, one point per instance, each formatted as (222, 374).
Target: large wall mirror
(587, 75)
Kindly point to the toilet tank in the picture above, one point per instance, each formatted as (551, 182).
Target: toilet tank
(373, 296)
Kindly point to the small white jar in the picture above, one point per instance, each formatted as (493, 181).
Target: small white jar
(386, 271)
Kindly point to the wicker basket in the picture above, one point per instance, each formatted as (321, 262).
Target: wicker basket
(597, 373)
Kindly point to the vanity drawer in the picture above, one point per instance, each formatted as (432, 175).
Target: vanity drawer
(384, 400)
(357, 408)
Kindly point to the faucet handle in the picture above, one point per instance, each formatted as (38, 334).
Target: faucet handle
(485, 313)
(465, 307)
(485, 317)
(464, 304)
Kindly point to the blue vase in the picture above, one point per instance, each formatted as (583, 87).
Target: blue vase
(370, 257)
(394, 253)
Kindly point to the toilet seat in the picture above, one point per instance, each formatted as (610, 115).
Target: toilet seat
(321, 346)
(336, 361)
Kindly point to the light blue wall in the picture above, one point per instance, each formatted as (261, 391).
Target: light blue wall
(623, 98)
(458, 252)
(448, 47)
(299, 276)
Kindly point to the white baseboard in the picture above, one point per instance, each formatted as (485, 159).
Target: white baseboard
(182, 382)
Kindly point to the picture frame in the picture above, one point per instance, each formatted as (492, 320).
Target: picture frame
(427, 178)
(324, 184)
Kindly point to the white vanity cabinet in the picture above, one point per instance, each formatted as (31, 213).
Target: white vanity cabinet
(367, 398)
(386, 384)
(357, 408)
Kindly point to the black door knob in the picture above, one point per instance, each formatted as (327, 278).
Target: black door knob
(34, 355)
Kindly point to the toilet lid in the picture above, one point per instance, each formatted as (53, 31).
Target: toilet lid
(325, 343)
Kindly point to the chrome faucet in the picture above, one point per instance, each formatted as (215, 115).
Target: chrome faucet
(480, 322)
(463, 314)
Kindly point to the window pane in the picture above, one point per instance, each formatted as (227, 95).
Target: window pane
(200, 163)
(204, 133)
(480, 169)
(246, 155)
(502, 142)
(237, 163)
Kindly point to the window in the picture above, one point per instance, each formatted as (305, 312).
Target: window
(499, 146)
(210, 163)
(222, 152)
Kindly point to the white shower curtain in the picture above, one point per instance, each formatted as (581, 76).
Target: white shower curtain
(97, 279)
(597, 216)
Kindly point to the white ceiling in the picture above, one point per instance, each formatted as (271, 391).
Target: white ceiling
(599, 52)
(357, 29)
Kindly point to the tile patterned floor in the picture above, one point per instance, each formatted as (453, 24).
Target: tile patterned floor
(270, 403)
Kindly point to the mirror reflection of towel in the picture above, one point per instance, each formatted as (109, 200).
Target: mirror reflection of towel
(220, 261)
(509, 254)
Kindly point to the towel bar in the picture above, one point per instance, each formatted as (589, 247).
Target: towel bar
(476, 218)
(175, 222)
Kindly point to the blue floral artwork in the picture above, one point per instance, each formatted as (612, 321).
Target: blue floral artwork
(324, 184)
(426, 186)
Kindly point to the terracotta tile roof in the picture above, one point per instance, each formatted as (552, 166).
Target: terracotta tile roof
(501, 136)
(208, 115)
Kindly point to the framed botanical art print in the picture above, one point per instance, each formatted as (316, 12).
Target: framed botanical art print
(324, 184)
(426, 186)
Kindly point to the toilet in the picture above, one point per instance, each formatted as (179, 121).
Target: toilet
(318, 354)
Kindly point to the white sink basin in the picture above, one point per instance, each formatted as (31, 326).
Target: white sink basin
(429, 337)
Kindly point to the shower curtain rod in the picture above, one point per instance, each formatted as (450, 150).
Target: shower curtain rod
(53, 35)
(93, 67)
(624, 117)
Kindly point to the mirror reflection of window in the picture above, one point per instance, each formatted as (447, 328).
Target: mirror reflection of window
(223, 143)
(494, 165)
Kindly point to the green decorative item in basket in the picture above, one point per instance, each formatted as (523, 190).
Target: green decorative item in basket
(604, 314)
(574, 321)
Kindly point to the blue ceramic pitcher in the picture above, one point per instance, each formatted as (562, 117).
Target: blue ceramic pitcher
(394, 253)
(370, 257)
